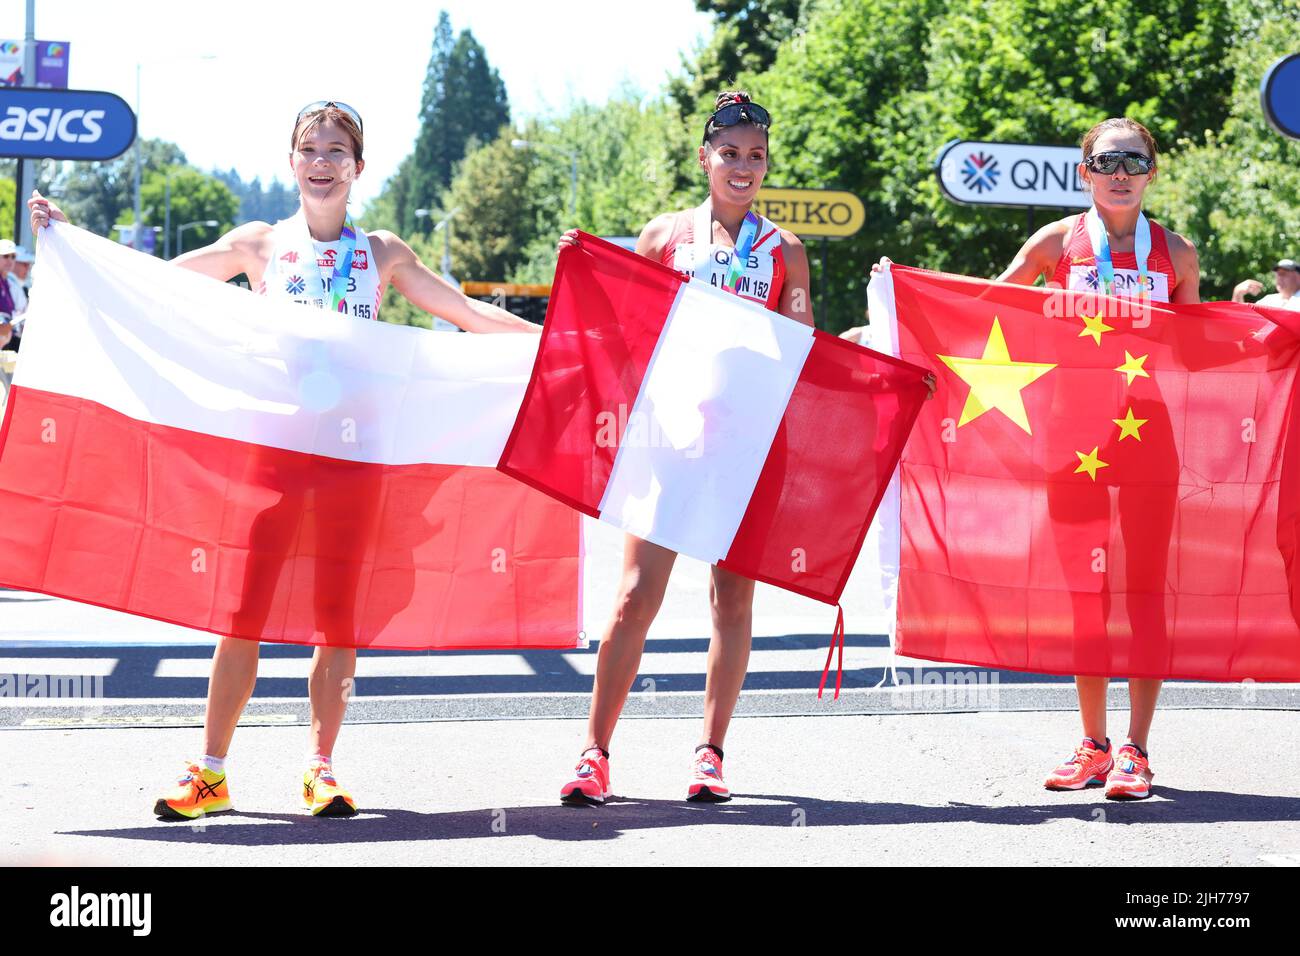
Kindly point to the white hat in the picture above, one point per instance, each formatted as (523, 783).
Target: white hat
(24, 255)
(7, 247)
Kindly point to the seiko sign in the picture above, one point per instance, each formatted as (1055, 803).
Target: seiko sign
(1012, 174)
(64, 124)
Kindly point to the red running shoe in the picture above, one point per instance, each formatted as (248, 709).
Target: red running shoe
(1086, 767)
(590, 785)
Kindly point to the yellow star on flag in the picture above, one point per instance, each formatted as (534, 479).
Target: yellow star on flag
(1128, 425)
(1090, 463)
(1094, 326)
(995, 380)
(1132, 367)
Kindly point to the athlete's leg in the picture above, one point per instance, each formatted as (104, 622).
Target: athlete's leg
(731, 599)
(234, 672)
(1092, 706)
(646, 568)
(330, 686)
(1142, 696)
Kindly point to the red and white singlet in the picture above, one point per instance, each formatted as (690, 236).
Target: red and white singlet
(1077, 268)
(284, 276)
(764, 274)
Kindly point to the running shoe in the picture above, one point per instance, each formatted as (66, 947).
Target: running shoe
(1086, 767)
(1131, 777)
(198, 792)
(590, 784)
(706, 784)
(322, 795)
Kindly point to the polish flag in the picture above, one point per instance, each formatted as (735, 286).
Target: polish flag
(184, 450)
(707, 424)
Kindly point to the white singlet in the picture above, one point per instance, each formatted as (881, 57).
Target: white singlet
(284, 278)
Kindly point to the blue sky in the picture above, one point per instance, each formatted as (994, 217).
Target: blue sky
(270, 58)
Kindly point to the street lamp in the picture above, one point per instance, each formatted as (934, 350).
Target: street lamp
(573, 169)
(446, 242)
(180, 231)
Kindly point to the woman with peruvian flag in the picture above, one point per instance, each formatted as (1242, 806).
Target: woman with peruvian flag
(724, 241)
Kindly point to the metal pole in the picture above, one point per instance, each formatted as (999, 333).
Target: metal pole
(446, 250)
(26, 178)
(135, 232)
(167, 218)
(1030, 217)
(821, 296)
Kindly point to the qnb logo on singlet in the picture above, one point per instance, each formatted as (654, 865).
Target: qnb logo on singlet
(43, 123)
(1127, 282)
(754, 283)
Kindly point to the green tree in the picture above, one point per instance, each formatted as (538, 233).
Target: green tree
(1237, 194)
(7, 204)
(195, 197)
(746, 38)
(495, 210)
(94, 194)
(464, 100)
(866, 97)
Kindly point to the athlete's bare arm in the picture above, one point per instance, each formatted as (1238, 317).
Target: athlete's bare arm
(243, 250)
(399, 265)
(796, 296)
(654, 236)
(1039, 255)
(1187, 269)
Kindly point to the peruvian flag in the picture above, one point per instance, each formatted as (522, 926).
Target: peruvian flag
(708, 425)
(182, 449)
(1100, 487)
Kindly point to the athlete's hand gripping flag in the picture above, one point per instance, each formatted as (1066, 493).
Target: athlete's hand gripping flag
(182, 449)
(1099, 488)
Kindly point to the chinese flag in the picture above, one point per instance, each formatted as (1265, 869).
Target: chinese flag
(1099, 487)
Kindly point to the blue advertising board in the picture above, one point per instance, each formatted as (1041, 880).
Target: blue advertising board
(1279, 94)
(64, 124)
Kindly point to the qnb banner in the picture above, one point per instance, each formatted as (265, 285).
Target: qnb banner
(701, 422)
(1012, 174)
(64, 124)
(185, 450)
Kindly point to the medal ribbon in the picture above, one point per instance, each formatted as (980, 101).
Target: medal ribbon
(338, 286)
(737, 257)
(1101, 250)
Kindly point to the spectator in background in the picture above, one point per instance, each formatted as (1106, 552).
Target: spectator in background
(1286, 276)
(23, 268)
(11, 294)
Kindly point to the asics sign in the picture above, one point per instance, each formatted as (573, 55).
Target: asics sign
(64, 124)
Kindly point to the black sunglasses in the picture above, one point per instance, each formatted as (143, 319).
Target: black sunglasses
(1135, 164)
(734, 113)
(326, 104)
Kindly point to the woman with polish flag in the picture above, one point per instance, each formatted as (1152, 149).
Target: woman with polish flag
(725, 241)
(1114, 250)
(320, 259)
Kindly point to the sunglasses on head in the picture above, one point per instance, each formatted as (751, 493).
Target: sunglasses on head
(325, 104)
(735, 113)
(1135, 164)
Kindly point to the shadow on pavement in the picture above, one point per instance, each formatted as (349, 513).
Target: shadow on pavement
(627, 814)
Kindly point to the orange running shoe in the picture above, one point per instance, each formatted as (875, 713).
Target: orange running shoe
(322, 795)
(1131, 777)
(706, 784)
(1086, 767)
(590, 785)
(197, 793)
